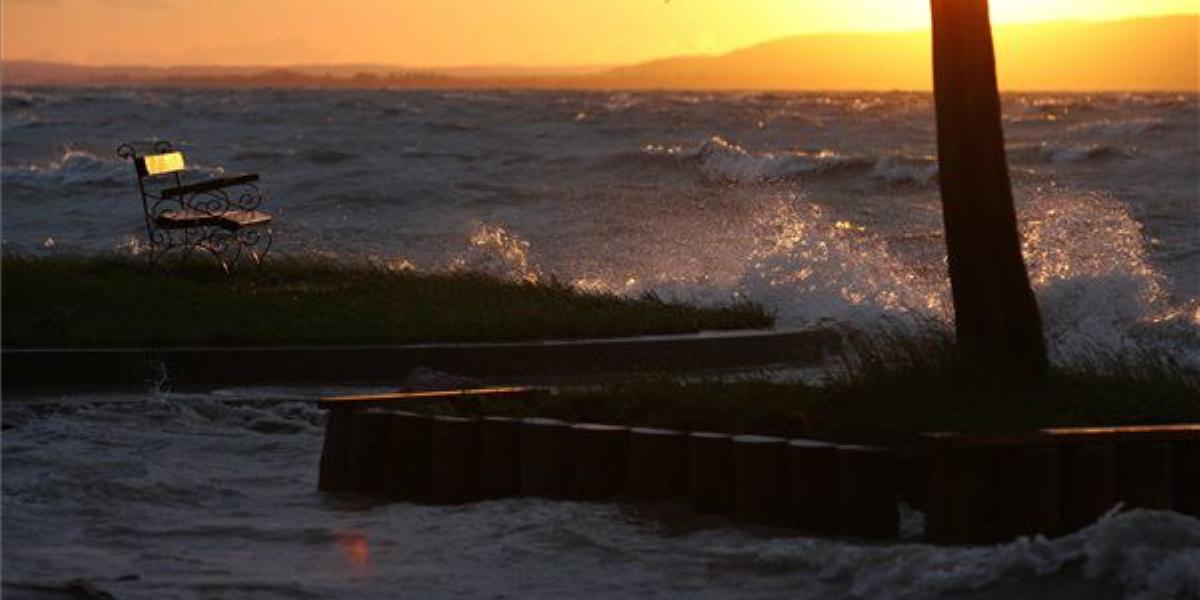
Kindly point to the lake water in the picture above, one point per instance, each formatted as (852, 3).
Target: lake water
(821, 207)
(161, 495)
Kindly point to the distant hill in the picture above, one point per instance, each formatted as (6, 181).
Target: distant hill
(1140, 54)
(1157, 53)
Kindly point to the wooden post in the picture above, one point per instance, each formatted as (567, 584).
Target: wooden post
(659, 464)
(1025, 492)
(499, 457)
(997, 322)
(814, 486)
(958, 495)
(545, 458)
(600, 461)
(760, 470)
(710, 477)
(369, 435)
(408, 456)
(1186, 461)
(912, 476)
(1089, 484)
(335, 452)
(867, 498)
(1144, 475)
(454, 460)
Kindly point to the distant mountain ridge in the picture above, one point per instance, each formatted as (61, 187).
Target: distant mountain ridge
(1159, 53)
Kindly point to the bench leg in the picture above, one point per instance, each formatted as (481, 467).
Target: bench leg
(256, 243)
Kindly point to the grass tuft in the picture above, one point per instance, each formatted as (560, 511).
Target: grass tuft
(111, 301)
(888, 385)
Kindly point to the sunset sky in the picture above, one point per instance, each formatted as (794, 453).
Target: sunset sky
(438, 33)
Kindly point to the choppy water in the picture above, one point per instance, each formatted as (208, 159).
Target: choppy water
(822, 207)
(214, 496)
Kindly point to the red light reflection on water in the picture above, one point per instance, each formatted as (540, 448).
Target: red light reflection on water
(356, 551)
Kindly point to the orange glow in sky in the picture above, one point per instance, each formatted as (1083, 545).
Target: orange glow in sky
(438, 33)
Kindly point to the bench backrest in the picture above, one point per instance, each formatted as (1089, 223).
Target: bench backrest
(166, 163)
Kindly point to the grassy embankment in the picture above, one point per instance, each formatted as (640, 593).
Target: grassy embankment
(890, 385)
(80, 302)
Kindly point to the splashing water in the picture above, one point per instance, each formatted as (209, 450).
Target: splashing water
(1087, 260)
(71, 167)
(492, 249)
(816, 270)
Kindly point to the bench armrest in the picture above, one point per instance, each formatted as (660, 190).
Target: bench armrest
(211, 184)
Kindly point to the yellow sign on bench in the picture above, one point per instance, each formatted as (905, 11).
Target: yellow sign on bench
(159, 164)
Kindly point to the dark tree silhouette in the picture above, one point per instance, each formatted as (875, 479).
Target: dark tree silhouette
(997, 324)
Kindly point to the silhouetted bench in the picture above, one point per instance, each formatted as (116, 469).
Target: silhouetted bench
(218, 215)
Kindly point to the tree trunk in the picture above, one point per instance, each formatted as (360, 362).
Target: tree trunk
(997, 323)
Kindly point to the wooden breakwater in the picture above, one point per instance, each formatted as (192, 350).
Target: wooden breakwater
(973, 488)
(506, 361)
(987, 488)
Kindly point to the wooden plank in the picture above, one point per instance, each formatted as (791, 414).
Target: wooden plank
(1070, 435)
(376, 399)
(1173, 432)
(237, 219)
(335, 453)
(211, 184)
(182, 219)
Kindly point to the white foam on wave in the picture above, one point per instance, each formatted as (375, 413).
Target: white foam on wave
(727, 162)
(1150, 554)
(72, 167)
(812, 269)
(494, 250)
(1088, 261)
(77, 167)
(1078, 153)
(1086, 254)
(1087, 258)
(901, 169)
(1122, 127)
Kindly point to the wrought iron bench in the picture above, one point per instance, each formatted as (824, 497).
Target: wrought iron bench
(218, 215)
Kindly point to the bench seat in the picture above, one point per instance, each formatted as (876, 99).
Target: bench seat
(184, 218)
(237, 219)
(230, 219)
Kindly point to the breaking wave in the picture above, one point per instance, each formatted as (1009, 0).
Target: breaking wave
(1087, 257)
(723, 161)
(72, 168)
